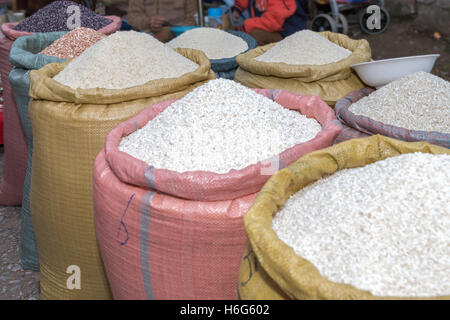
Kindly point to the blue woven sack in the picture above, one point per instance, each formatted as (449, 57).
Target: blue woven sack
(24, 57)
(226, 68)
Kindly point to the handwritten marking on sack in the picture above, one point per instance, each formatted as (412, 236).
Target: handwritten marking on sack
(74, 280)
(122, 224)
(74, 20)
(252, 267)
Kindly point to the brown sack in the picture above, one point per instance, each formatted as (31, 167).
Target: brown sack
(270, 269)
(69, 130)
(330, 82)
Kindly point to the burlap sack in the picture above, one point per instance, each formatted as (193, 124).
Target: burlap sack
(170, 235)
(270, 269)
(330, 82)
(69, 129)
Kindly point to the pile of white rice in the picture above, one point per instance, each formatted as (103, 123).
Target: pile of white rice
(419, 101)
(384, 227)
(305, 47)
(122, 60)
(215, 43)
(219, 126)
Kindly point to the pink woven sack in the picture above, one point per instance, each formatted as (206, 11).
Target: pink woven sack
(16, 155)
(169, 235)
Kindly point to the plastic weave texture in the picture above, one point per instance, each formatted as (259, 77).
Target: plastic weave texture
(69, 130)
(170, 235)
(24, 57)
(15, 161)
(270, 269)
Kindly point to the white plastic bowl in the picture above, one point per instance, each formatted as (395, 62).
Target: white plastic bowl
(381, 72)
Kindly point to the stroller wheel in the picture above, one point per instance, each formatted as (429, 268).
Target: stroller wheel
(324, 22)
(342, 24)
(383, 23)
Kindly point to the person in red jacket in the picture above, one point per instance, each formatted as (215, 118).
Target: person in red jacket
(270, 20)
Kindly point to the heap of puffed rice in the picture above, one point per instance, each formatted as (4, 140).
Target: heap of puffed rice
(419, 101)
(122, 60)
(383, 227)
(305, 47)
(219, 126)
(215, 43)
(73, 44)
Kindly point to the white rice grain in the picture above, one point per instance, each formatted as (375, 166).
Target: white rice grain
(219, 126)
(215, 43)
(419, 101)
(305, 47)
(122, 60)
(383, 227)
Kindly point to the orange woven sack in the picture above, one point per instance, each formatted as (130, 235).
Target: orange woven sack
(16, 154)
(169, 235)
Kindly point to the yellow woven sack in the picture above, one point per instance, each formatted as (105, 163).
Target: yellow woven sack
(270, 269)
(69, 130)
(330, 82)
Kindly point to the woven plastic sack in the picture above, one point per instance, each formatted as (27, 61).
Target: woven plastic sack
(330, 82)
(69, 130)
(270, 269)
(24, 57)
(170, 235)
(15, 161)
(15, 157)
(348, 132)
(369, 126)
(226, 68)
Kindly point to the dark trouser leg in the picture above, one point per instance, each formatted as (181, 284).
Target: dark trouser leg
(265, 37)
(164, 35)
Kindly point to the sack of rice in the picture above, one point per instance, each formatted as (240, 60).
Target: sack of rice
(348, 132)
(337, 225)
(221, 47)
(413, 108)
(53, 17)
(69, 129)
(25, 57)
(306, 63)
(173, 184)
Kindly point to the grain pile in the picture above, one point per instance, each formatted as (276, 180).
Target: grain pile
(219, 126)
(73, 44)
(122, 60)
(420, 101)
(383, 227)
(54, 17)
(215, 43)
(305, 47)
